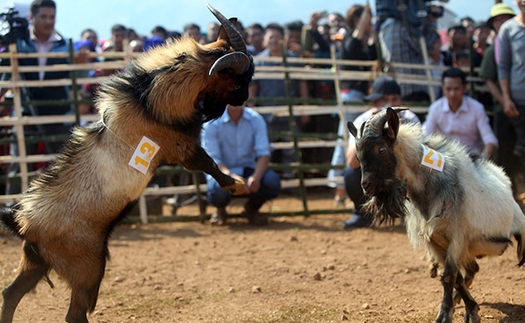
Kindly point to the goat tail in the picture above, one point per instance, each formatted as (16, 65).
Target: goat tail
(518, 231)
(8, 221)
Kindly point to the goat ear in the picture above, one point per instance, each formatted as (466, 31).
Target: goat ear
(352, 128)
(393, 123)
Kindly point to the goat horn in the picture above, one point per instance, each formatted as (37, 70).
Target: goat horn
(237, 61)
(377, 122)
(399, 109)
(234, 36)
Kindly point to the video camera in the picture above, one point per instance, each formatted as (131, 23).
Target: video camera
(435, 8)
(12, 27)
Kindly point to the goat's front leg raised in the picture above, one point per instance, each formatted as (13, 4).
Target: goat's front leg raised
(203, 162)
(448, 280)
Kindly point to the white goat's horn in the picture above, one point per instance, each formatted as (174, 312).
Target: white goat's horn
(234, 36)
(238, 61)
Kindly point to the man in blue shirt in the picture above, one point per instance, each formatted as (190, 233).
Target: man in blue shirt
(238, 143)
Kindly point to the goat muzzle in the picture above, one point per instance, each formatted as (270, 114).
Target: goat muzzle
(370, 186)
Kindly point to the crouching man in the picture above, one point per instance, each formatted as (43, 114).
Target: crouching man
(238, 143)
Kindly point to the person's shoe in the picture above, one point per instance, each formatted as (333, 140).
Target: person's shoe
(219, 217)
(356, 221)
(255, 218)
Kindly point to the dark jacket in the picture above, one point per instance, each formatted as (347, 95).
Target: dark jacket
(45, 93)
(389, 9)
(353, 49)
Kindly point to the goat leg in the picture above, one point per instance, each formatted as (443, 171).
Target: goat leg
(448, 280)
(203, 162)
(84, 293)
(76, 314)
(31, 270)
(471, 307)
(433, 268)
(470, 272)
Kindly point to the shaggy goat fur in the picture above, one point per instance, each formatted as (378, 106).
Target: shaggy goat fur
(464, 212)
(68, 213)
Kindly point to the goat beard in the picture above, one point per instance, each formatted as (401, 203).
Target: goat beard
(388, 205)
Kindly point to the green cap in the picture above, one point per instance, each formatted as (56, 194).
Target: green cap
(498, 10)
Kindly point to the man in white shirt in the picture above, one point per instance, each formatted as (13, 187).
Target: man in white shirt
(461, 117)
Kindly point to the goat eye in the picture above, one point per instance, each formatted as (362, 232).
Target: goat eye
(382, 150)
(237, 86)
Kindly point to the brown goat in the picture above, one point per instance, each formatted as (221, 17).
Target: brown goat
(151, 112)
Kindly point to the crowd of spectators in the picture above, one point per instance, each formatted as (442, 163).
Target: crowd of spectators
(388, 35)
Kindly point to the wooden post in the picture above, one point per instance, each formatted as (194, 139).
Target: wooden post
(337, 87)
(291, 119)
(17, 101)
(428, 69)
(74, 85)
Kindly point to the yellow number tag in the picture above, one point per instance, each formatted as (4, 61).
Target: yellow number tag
(432, 159)
(143, 155)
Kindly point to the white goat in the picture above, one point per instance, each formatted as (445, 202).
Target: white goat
(457, 204)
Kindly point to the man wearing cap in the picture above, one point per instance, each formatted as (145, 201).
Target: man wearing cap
(503, 129)
(499, 14)
(385, 93)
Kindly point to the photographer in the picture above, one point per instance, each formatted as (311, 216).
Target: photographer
(42, 38)
(401, 24)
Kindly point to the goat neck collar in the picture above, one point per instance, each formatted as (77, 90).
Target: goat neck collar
(114, 134)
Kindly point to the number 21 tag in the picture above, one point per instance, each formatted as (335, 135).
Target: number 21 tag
(143, 155)
(432, 159)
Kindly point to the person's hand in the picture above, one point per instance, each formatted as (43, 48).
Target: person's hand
(509, 108)
(315, 17)
(296, 49)
(82, 56)
(253, 185)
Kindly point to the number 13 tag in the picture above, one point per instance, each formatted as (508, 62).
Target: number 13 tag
(432, 159)
(143, 155)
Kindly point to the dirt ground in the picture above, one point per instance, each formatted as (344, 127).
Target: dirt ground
(296, 269)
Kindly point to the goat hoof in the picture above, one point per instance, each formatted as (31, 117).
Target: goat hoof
(237, 188)
(433, 270)
(472, 317)
(443, 318)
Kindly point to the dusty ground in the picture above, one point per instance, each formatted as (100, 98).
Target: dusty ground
(296, 269)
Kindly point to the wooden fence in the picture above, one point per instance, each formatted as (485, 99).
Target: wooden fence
(312, 70)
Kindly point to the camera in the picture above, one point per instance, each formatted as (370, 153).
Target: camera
(12, 27)
(435, 8)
